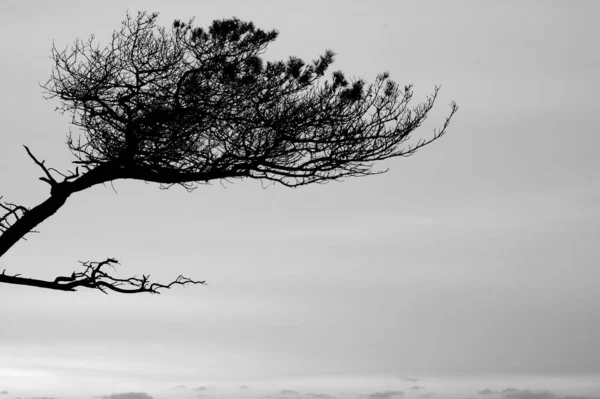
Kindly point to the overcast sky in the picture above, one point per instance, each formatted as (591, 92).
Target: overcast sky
(470, 268)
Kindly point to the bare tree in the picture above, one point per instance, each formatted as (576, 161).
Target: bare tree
(184, 106)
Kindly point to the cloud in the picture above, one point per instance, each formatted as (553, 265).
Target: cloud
(514, 393)
(180, 387)
(409, 379)
(128, 395)
(200, 389)
(3, 392)
(243, 387)
(288, 392)
(386, 394)
(416, 387)
(320, 396)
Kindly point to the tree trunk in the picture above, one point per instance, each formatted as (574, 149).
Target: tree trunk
(58, 196)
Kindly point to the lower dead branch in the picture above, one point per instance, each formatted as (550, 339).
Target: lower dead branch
(95, 277)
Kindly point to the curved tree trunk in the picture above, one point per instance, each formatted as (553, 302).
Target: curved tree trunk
(58, 196)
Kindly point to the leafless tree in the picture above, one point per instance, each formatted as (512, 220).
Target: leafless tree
(184, 106)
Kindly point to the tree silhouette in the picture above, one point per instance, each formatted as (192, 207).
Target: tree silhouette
(184, 106)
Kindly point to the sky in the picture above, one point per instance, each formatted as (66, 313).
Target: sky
(469, 270)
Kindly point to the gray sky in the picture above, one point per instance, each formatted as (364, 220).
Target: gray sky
(470, 266)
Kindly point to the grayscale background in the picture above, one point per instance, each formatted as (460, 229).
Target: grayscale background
(467, 271)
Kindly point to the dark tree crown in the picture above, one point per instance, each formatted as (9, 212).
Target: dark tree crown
(188, 105)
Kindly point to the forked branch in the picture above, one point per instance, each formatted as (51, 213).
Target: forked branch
(49, 178)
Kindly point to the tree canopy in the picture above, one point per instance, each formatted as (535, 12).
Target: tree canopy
(187, 105)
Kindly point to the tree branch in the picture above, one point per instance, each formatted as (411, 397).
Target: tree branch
(95, 277)
(12, 215)
(49, 179)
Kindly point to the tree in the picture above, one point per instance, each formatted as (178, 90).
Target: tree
(185, 106)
